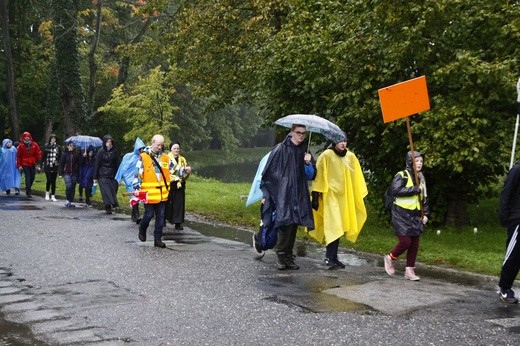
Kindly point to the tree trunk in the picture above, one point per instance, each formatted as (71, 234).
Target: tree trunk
(457, 213)
(11, 98)
(125, 61)
(67, 61)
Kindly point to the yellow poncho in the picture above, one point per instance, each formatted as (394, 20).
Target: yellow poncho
(342, 188)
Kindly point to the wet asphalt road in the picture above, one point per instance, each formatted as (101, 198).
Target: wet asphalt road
(78, 276)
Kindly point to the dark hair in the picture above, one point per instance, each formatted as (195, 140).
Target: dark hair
(296, 125)
(173, 143)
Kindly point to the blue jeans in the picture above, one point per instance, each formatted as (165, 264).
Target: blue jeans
(149, 211)
(70, 186)
(30, 174)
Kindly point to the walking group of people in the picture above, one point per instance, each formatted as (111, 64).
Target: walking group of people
(335, 206)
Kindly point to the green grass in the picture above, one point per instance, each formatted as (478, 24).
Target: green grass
(456, 248)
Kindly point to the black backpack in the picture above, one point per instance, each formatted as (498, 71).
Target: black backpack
(389, 198)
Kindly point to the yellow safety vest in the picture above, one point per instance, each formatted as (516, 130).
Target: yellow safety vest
(156, 188)
(408, 202)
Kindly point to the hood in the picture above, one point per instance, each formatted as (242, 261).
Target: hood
(26, 134)
(5, 141)
(105, 139)
(409, 159)
(139, 144)
(91, 148)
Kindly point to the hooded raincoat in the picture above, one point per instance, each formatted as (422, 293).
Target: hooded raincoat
(126, 170)
(342, 187)
(408, 222)
(10, 176)
(284, 187)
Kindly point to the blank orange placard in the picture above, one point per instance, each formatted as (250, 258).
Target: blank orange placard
(403, 99)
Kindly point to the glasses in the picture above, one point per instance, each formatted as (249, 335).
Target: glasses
(300, 133)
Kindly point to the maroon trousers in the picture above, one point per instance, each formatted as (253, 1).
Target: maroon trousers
(409, 244)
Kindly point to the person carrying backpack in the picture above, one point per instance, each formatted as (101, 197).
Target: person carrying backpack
(410, 213)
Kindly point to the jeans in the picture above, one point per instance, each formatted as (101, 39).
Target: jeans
(70, 186)
(149, 211)
(30, 174)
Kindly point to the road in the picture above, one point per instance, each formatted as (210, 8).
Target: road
(78, 276)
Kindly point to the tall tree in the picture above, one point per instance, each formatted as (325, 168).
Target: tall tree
(67, 60)
(10, 80)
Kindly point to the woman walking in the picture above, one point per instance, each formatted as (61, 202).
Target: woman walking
(410, 212)
(69, 170)
(51, 162)
(105, 169)
(176, 206)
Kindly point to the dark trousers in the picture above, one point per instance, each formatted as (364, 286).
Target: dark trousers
(50, 184)
(88, 195)
(149, 211)
(511, 264)
(286, 239)
(410, 244)
(332, 249)
(70, 186)
(30, 174)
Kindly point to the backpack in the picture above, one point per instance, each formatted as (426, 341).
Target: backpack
(266, 237)
(389, 197)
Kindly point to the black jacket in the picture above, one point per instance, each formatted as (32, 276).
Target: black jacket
(107, 161)
(69, 163)
(509, 210)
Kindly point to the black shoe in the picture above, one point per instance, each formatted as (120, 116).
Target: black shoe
(138, 221)
(8, 192)
(158, 243)
(108, 209)
(289, 263)
(256, 246)
(281, 263)
(508, 296)
(179, 226)
(142, 235)
(338, 263)
(329, 263)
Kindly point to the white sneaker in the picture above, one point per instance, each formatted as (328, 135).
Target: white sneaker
(53, 198)
(409, 274)
(47, 196)
(389, 265)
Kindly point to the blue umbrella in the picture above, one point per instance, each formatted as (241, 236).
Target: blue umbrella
(313, 123)
(84, 142)
(255, 194)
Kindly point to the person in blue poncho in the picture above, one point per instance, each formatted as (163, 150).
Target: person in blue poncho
(10, 176)
(126, 171)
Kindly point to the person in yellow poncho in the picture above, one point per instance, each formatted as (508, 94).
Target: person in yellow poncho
(337, 200)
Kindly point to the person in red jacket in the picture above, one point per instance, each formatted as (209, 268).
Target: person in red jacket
(28, 155)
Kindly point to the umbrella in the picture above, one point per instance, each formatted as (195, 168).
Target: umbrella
(313, 123)
(84, 142)
(255, 194)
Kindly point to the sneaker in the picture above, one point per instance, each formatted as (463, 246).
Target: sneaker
(47, 196)
(389, 265)
(508, 296)
(256, 246)
(409, 274)
(338, 263)
(281, 263)
(179, 227)
(158, 243)
(329, 263)
(53, 198)
(67, 204)
(17, 192)
(72, 205)
(289, 263)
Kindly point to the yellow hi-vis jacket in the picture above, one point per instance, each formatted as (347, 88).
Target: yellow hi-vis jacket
(152, 182)
(408, 202)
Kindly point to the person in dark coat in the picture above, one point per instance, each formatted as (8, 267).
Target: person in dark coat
(285, 191)
(69, 171)
(105, 169)
(509, 215)
(176, 205)
(86, 172)
(51, 162)
(410, 212)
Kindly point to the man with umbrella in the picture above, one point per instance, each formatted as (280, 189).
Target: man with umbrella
(285, 191)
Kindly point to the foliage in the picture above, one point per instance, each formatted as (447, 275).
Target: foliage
(145, 106)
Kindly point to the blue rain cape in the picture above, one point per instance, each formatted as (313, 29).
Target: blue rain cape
(10, 176)
(127, 168)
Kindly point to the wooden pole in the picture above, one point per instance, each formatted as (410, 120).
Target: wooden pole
(413, 161)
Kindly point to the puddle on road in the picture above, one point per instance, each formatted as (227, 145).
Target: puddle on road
(13, 334)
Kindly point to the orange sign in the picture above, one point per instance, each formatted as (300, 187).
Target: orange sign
(403, 99)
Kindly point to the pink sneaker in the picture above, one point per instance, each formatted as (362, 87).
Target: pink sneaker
(409, 274)
(389, 265)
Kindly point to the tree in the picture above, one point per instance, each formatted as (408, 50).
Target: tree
(67, 60)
